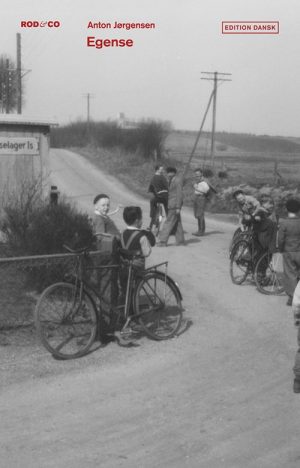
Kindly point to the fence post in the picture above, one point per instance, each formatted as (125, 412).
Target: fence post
(54, 195)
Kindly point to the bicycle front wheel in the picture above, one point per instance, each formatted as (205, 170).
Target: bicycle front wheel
(157, 304)
(268, 274)
(240, 262)
(66, 323)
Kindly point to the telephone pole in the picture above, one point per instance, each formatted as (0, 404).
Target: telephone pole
(216, 77)
(88, 97)
(19, 76)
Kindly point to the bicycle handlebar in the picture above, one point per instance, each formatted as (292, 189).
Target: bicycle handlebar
(78, 251)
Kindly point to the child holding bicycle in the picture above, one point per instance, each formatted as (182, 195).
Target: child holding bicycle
(102, 222)
(134, 238)
(137, 242)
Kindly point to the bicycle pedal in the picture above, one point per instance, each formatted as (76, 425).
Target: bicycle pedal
(126, 332)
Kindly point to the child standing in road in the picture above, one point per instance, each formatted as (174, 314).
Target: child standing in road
(289, 245)
(296, 311)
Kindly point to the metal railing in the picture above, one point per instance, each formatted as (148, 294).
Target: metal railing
(19, 277)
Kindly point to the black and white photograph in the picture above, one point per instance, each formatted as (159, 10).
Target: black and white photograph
(149, 234)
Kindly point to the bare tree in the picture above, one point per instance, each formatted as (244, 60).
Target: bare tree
(8, 85)
(152, 135)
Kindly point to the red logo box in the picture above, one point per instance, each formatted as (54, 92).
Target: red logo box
(250, 27)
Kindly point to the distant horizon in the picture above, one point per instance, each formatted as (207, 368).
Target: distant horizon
(80, 119)
(165, 72)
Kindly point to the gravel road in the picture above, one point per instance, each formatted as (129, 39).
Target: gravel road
(219, 395)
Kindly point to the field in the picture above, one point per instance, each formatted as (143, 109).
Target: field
(247, 159)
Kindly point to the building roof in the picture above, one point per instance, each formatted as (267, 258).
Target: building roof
(22, 119)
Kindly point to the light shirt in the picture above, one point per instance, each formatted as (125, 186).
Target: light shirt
(201, 188)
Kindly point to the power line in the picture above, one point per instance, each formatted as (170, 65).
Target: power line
(212, 99)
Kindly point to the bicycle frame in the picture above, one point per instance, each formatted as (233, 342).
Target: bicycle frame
(81, 283)
(68, 315)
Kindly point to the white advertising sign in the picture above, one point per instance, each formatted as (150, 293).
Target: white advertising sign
(20, 145)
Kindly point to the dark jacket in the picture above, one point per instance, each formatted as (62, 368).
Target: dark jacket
(175, 200)
(289, 235)
(158, 185)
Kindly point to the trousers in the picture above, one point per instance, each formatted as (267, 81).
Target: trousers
(291, 270)
(172, 226)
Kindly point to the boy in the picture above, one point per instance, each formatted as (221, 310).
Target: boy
(296, 311)
(173, 225)
(102, 222)
(289, 245)
(264, 226)
(137, 241)
(134, 238)
(201, 189)
(248, 206)
(158, 187)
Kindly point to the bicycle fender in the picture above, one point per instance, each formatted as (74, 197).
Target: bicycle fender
(176, 286)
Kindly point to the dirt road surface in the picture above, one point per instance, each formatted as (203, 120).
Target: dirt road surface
(219, 395)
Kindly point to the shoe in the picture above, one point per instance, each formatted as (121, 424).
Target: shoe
(124, 339)
(296, 386)
(289, 301)
(161, 244)
(198, 234)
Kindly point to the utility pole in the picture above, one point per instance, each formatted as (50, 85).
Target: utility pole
(19, 77)
(215, 77)
(198, 136)
(88, 97)
(7, 87)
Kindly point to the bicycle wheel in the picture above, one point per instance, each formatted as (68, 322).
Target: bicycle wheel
(157, 304)
(238, 235)
(268, 274)
(240, 262)
(158, 219)
(66, 324)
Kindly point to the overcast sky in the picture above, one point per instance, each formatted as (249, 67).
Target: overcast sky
(160, 76)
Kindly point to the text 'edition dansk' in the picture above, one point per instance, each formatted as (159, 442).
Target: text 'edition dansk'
(250, 27)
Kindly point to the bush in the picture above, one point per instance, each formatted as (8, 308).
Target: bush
(151, 137)
(224, 202)
(34, 227)
(147, 137)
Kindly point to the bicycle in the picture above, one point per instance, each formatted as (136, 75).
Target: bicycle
(68, 315)
(157, 219)
(238, 234)
(266, 269)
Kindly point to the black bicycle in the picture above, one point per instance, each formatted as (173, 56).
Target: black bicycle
(266, 268)
(69, 315)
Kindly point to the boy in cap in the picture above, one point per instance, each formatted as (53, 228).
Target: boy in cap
(102, 222)
(289, 245)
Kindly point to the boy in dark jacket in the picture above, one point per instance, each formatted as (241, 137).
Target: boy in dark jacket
(289, 245)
